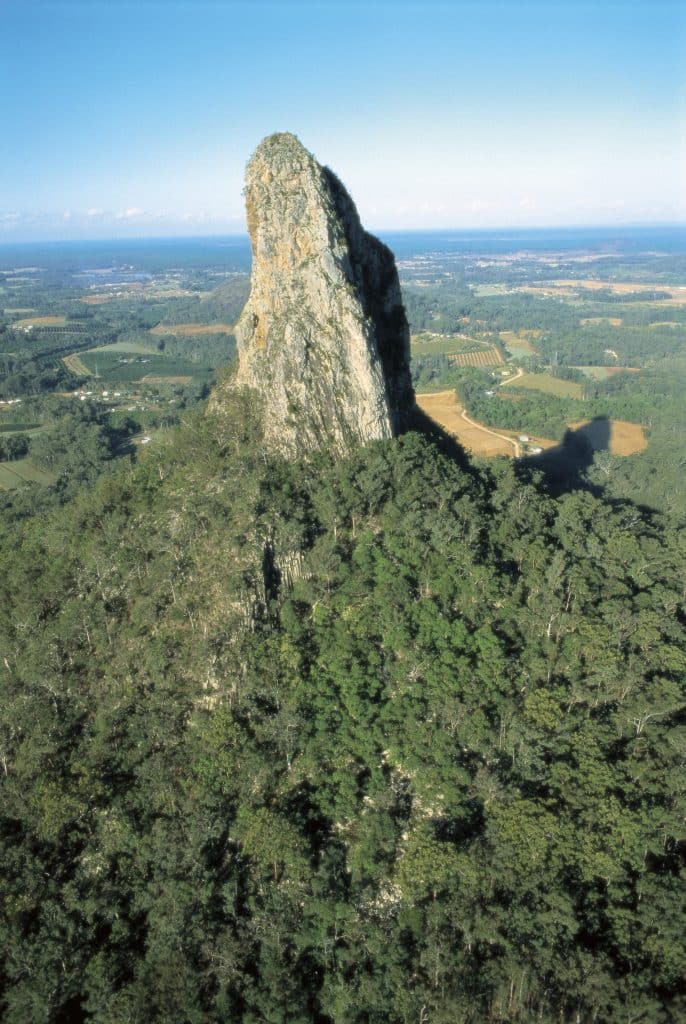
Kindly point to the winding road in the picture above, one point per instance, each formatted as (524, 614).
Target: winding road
(493, 433)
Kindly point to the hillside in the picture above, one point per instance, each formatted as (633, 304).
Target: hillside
(339, 741)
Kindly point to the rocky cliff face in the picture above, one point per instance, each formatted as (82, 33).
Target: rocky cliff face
(323, 336)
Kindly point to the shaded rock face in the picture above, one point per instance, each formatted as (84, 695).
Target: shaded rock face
(323, 336)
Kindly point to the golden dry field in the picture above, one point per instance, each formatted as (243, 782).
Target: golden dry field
(444, 408)
(625, 438)
(192, 329)
(163, 379)
(40, 321)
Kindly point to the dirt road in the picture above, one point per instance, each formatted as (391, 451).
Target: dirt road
(444, 408)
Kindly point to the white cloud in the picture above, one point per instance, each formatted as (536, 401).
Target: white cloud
(66, 215)
(94, 211)
(129, 213)
(9, 218)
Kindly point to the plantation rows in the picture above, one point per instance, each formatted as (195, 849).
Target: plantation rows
(484, 357)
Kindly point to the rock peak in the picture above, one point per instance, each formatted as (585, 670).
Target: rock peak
(323, 336)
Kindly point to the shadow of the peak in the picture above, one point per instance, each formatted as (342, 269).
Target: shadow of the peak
(564, 467)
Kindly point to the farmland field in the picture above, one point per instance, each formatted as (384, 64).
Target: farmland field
(603, 372)
(625, 438)
(618, 287)
(571, 288)
(22, 471)
(40, 321)
(482, 357)
(136, 347)
(427, 344)
(118, 366)
(550, 385)
(192, 329)
(445, 408)
(162, 378)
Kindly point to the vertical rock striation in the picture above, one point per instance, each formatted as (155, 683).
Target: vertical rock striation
(323, 336)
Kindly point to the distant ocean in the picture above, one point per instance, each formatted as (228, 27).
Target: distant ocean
(232, 252)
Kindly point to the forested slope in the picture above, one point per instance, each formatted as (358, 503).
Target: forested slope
(382, 740)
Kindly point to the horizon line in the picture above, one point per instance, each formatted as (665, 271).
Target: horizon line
(625, 225)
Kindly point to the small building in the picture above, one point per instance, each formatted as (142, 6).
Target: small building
(524, 438)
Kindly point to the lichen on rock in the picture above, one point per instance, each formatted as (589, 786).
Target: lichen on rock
(323, 336)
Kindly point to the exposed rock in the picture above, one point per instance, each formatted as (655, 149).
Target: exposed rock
(323, 337)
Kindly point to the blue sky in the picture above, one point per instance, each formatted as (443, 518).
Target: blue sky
(135, 119)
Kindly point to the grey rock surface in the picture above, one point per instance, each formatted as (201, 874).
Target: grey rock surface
(323, 337)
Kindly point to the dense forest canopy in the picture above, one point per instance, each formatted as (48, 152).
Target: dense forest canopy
(358, 741)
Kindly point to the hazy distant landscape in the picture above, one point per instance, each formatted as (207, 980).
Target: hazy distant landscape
(524, 333)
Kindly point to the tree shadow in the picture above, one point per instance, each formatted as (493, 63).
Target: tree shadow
(564, 467)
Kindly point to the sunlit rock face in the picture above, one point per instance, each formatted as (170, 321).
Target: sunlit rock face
(323, 337)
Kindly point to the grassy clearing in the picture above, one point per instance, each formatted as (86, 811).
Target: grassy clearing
(613, 321)
(490, 289)
(40, 321)
(21, 428)
(192, 329)
(603, 372)
(121, 367)
(23, 471)
(519, 342)
(126, 346)
(550, 385)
